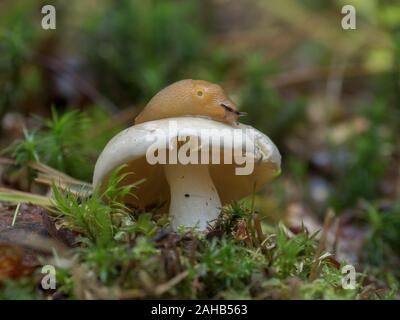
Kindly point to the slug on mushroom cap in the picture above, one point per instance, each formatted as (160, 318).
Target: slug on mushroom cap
(191, 98)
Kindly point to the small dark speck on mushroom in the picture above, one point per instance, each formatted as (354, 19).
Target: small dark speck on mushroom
(187, 195)
(182, 177)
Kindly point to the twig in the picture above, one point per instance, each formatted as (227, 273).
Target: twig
(6, 161)
(336, 235)
(48, 176)
(162, 288)
(55, 174)
(301, 76)
(321, 245)
(251, 234)
(16, 212)
(14, 196)
(260, 235)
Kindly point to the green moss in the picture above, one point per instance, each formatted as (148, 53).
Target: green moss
(19, 289)
(58, 142)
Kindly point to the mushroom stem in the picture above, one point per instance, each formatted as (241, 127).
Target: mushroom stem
(194, 199)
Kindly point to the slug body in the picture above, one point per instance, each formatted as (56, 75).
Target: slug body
(189, 98)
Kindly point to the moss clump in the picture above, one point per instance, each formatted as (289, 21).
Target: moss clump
(126, 254)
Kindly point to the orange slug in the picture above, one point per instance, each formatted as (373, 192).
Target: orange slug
(191, 98)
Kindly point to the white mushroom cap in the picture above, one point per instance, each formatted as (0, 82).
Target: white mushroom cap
(131, 145)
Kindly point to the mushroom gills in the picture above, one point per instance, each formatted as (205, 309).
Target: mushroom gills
(194, 198)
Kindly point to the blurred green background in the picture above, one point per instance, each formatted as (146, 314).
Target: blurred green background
(329, 98)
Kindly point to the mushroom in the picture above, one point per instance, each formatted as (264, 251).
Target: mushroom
(171, 155)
